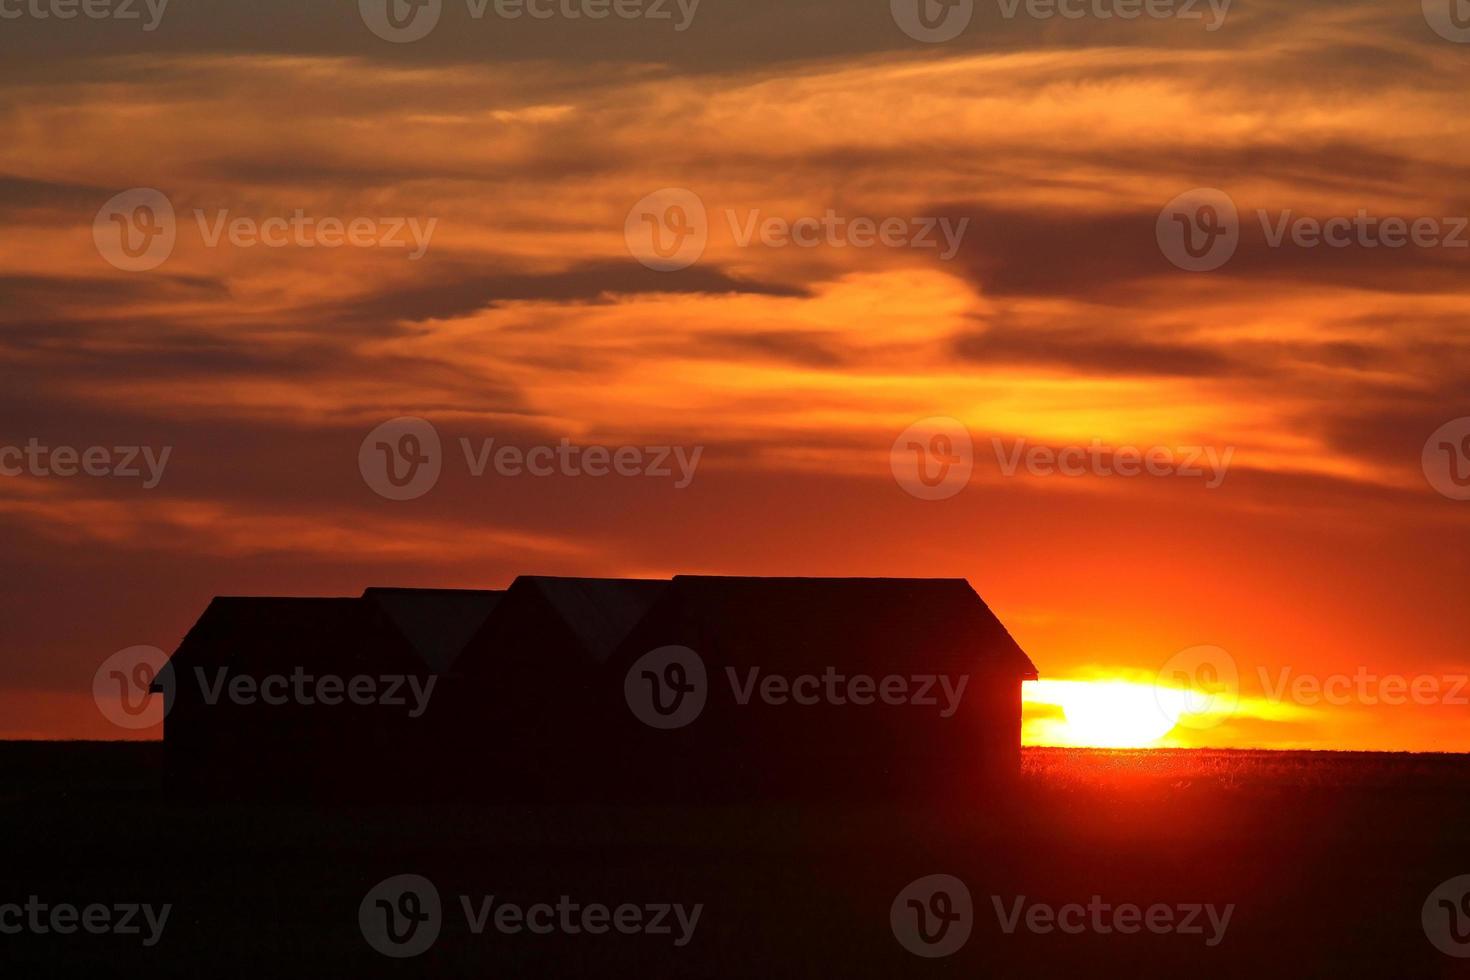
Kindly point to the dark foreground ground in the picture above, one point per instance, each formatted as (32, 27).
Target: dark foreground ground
(1327, 860)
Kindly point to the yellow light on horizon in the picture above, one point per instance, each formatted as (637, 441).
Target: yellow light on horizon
(1117, 714)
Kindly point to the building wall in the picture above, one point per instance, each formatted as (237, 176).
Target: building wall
(756, 750)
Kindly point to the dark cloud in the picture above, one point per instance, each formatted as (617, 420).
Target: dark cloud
(450, 290)
(721, 35)
(28, 194)
(1094, 353)
(265, 374)
(39, 306)
(1115, 257)
(808, 348)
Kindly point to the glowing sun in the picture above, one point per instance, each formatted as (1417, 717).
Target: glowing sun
(1104, 714)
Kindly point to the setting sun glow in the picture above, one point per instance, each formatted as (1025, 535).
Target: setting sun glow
(1101, 713)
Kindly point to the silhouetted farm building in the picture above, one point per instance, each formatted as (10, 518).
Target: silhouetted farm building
(831, 686)
(811, 687)
(222, 736)
(534, 669)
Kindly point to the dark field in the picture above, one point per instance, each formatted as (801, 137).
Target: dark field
(1327, 859)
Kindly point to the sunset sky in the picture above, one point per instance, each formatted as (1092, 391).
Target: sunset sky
(1059, 321)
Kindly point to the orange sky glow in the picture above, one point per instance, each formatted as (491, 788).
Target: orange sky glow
(1323, 553)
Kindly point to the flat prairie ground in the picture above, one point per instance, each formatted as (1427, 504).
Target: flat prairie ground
(1251, 864)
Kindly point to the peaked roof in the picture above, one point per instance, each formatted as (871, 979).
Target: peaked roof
(437, 623)
(262, 633)
(600, 612)
(877, 624)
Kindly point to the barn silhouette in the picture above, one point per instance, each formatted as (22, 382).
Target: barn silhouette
(553, 691)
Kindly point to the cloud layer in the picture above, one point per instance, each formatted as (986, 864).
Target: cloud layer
(1059, 321)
